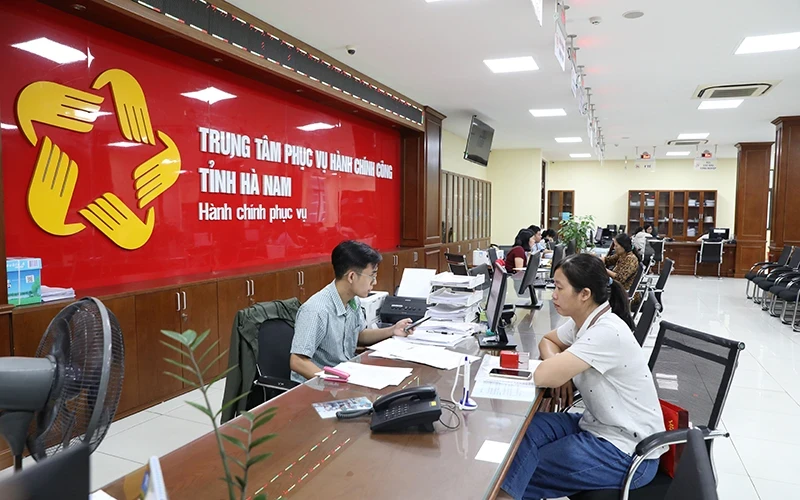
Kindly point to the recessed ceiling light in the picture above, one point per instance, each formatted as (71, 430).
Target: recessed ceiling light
(633, 14)
(699, 135)
(580, 155)
(678, 153)
(541, 113)
(7, 126)
(311, 127)
(210, 95)
(769, 43)
(569, 139)
(721, 104)
(511, 64)
(54, 51)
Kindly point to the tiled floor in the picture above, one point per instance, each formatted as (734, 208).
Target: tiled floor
(758, 462)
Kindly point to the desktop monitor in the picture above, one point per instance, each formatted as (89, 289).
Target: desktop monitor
(64, 476)
(598, 237)
(526, 285)
(494, 311)
(558, 256)
(722, 232)
(571, 248)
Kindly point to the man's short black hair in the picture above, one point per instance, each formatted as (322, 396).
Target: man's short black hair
(534, 229)
(353, 255)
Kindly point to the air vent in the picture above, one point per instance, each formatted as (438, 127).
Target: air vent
(690, 142)
(733, 91)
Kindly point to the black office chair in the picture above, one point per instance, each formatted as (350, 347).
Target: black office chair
(484, 270)
(658, 287)
(637, 280)
(700, 368)
(694, 476)
(622, 228)
(658, 251)
(648, 317)
(767, 278)
(571, 248)
(786, 282)
(710, 253)
(759, 268)
(272, 366)
(492, 255)
(457, 264)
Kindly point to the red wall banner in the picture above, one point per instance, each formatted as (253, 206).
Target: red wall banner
(125, 162)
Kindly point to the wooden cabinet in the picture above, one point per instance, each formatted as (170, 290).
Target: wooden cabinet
(558, 203)
(200, 314)
(314, 278)
(465, 208)
(124, 310)
(386, 271)
(681, 215)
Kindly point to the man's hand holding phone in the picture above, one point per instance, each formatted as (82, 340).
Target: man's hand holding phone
(400, 328)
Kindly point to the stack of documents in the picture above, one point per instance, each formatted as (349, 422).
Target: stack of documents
(437, 357)
(452, 327)
(457, 281)
(447, 312)
(447, 296)
(50, 294)
(490, 387)
(372, 376)
(424, 337)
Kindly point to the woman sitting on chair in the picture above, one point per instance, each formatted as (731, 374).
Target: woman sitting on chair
(625, 262)
(517, 257)
(565, 453)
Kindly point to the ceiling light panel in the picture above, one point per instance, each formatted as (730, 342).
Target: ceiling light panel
(769, 43)
(721, 104)
(568, 139)
(542, 113)
(693, 135)
(511, 64)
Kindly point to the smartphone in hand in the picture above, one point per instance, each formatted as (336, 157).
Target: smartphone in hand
(415, 324)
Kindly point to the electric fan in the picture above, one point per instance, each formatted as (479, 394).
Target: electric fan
(69, 392)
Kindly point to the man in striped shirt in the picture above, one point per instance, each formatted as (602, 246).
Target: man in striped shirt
(330, 324)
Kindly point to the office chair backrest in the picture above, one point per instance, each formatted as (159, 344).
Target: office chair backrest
(646, 319)
(492, 255)
(785, 255)
(794, 262)
(571, 248)
(484, 270)
(694, 477)
(658, 249)
(558, 256)
(274, 346)
(457, 264)
(694, 370)
(666, 270)
(637, 280)
(711, 252)
(622, 228)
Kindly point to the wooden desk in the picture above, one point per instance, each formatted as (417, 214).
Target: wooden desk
(316, 458)
(684, 254)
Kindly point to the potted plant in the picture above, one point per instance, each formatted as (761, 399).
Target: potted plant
(580, 230)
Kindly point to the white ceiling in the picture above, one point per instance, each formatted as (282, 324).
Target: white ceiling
(642, 72)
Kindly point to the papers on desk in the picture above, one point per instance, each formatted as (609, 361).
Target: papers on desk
(51, 293)
(453, 327)
(457, 281)
(416, 283)
(423, 337)
(435, 356)
(490, 387)
(447, 296)
(448, 312)
(374, 377)
(328, 409)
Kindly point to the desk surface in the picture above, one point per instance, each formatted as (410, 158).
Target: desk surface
(316, 458)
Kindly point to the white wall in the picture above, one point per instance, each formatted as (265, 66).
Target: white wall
(453, 160)
(602, 190)
(516, 176)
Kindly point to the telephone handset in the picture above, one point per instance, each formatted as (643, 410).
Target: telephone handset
(411, 407)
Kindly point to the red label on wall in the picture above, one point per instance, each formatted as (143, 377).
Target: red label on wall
(125, 162)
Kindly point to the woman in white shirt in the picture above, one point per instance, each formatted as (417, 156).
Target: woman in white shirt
(565, 453)
(641, 236)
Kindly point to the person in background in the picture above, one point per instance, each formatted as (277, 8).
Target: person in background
(538, 243)
(625, 262)
(550, 237)
(517, 257)
(330, 324)
(641, 236)
(564, 453)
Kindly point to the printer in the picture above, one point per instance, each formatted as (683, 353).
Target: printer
(395, 309)
(371, 305)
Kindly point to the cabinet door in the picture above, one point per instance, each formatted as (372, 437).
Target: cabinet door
(199, 313)
(313, 279)
(679, 215)
(156, 311)
(124, 309)
(386, 274)
(287, 284)
(265, 288)
(232, 296)
(29, 325)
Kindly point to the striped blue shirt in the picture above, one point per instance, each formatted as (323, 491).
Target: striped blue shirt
(326, 330)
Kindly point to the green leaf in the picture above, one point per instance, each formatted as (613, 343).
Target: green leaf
(199, 340)
(257, 459)
(176, 349)
(201, 408)
(232, 402)
(261, 440)
(212, 363)
(263, 421)
(185, 381)
(248, 415)
(237, 427)
(236, 461)
(175, 336)
(189, 337)
(235, 441)
(213, 344)
(181, 365)
(241, 482)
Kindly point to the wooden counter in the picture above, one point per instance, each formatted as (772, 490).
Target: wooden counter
(684, 254)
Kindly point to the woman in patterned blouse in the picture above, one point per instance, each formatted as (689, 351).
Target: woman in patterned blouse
(624, 261)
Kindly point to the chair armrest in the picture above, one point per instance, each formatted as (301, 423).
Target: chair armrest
(652, 443)
(281, 384)
(787, 276)
(759, 264)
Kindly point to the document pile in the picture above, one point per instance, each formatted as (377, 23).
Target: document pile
(451, 280)
(372, 376)
(435, 356)
(490, 387)
(456, 298)
(50, 294)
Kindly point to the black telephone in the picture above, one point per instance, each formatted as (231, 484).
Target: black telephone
(415, 406)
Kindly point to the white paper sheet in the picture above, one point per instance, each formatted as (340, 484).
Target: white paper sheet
(490, 387)
(374, 377)
(437, 357)
(492, 451)
(416, 283)
(423, 337)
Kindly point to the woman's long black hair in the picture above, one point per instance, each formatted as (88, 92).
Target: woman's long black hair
(624, 241)
(523, 239)
(587, 271)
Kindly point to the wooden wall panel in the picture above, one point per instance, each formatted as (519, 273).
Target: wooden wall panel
(785, 227)
(752, 192)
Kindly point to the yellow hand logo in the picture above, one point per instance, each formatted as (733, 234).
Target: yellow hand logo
(51, 188)
(57, 105)
(130, 104)
(159, 173)
(114, 219)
